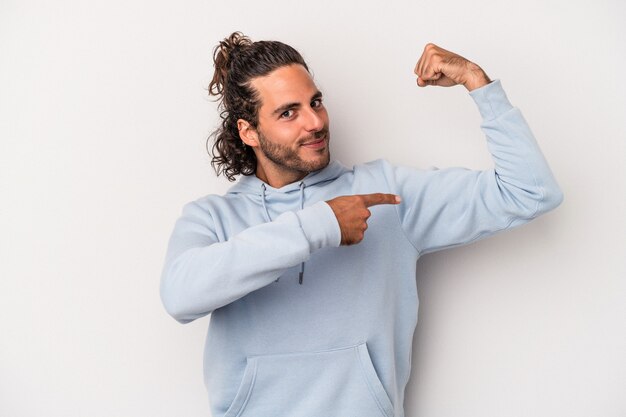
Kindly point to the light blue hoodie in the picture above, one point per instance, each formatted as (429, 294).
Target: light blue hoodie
(339, 343)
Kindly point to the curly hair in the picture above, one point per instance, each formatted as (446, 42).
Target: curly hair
(237, 60)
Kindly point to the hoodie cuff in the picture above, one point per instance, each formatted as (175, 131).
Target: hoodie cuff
(491, 100)
(320, 225)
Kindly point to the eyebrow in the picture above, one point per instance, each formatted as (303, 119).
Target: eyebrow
(294, 105)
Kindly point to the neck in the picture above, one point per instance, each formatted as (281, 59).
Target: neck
(278, 178)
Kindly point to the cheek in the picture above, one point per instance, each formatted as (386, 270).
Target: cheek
(324, 115)
(283, 135)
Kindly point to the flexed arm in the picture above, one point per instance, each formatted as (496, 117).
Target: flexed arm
(455, 206)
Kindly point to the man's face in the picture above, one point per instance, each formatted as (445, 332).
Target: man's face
(292, 132)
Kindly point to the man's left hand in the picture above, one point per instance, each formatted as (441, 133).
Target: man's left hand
(439, 67)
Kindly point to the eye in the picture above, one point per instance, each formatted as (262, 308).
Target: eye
(317, 102)
(286, 114)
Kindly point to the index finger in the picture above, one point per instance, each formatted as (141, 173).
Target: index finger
(380, 198)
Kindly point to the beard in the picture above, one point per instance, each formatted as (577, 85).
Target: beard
(288, 159)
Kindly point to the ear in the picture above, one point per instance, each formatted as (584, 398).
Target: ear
(247, 133)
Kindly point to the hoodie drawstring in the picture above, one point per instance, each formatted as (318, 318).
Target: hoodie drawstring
(267, 214)
(267, 217)
(301, 207)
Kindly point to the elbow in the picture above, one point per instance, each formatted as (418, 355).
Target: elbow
(556, 198)
(175, 309)
(552, 198)
(177, 296)
(529, 199)
(531, 203)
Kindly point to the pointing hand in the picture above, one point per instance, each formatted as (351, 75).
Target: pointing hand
(352, 213)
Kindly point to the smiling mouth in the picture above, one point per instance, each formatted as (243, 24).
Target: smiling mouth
(315, 144)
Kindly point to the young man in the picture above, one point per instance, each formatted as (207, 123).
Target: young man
(307, 266)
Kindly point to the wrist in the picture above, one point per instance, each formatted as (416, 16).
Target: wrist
(476, 78)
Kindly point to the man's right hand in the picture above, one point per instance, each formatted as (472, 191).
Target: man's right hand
(352, 213)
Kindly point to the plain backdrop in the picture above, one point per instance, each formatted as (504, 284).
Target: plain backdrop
(104, 116)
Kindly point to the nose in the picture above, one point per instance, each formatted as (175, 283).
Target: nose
(315, 119)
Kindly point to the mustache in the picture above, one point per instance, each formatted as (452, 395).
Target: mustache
(315, 136)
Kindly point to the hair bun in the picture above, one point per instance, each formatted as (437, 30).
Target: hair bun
(222, 55)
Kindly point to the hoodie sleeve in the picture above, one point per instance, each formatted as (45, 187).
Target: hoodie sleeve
(450, 207)
(201, 274)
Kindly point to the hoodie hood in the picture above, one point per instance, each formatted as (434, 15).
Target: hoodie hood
(251, 184)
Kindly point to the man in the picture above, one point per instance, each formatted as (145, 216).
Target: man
(307, 266)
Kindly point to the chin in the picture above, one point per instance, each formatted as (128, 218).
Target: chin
(322, 164)
(315, 163)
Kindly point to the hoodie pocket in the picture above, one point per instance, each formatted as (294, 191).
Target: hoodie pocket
(337, 382)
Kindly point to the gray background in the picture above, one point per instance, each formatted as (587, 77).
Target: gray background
(103, 121)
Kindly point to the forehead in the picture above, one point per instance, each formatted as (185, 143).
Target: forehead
(286, 84)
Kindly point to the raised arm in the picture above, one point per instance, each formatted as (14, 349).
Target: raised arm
(450, 207)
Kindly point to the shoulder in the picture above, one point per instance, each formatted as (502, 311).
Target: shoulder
(375, 166)
(373, 175)
(384, 167)
(381, 171)
(208, 206)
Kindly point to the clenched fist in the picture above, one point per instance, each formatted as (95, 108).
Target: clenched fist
(437, 66)
(352, 213)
